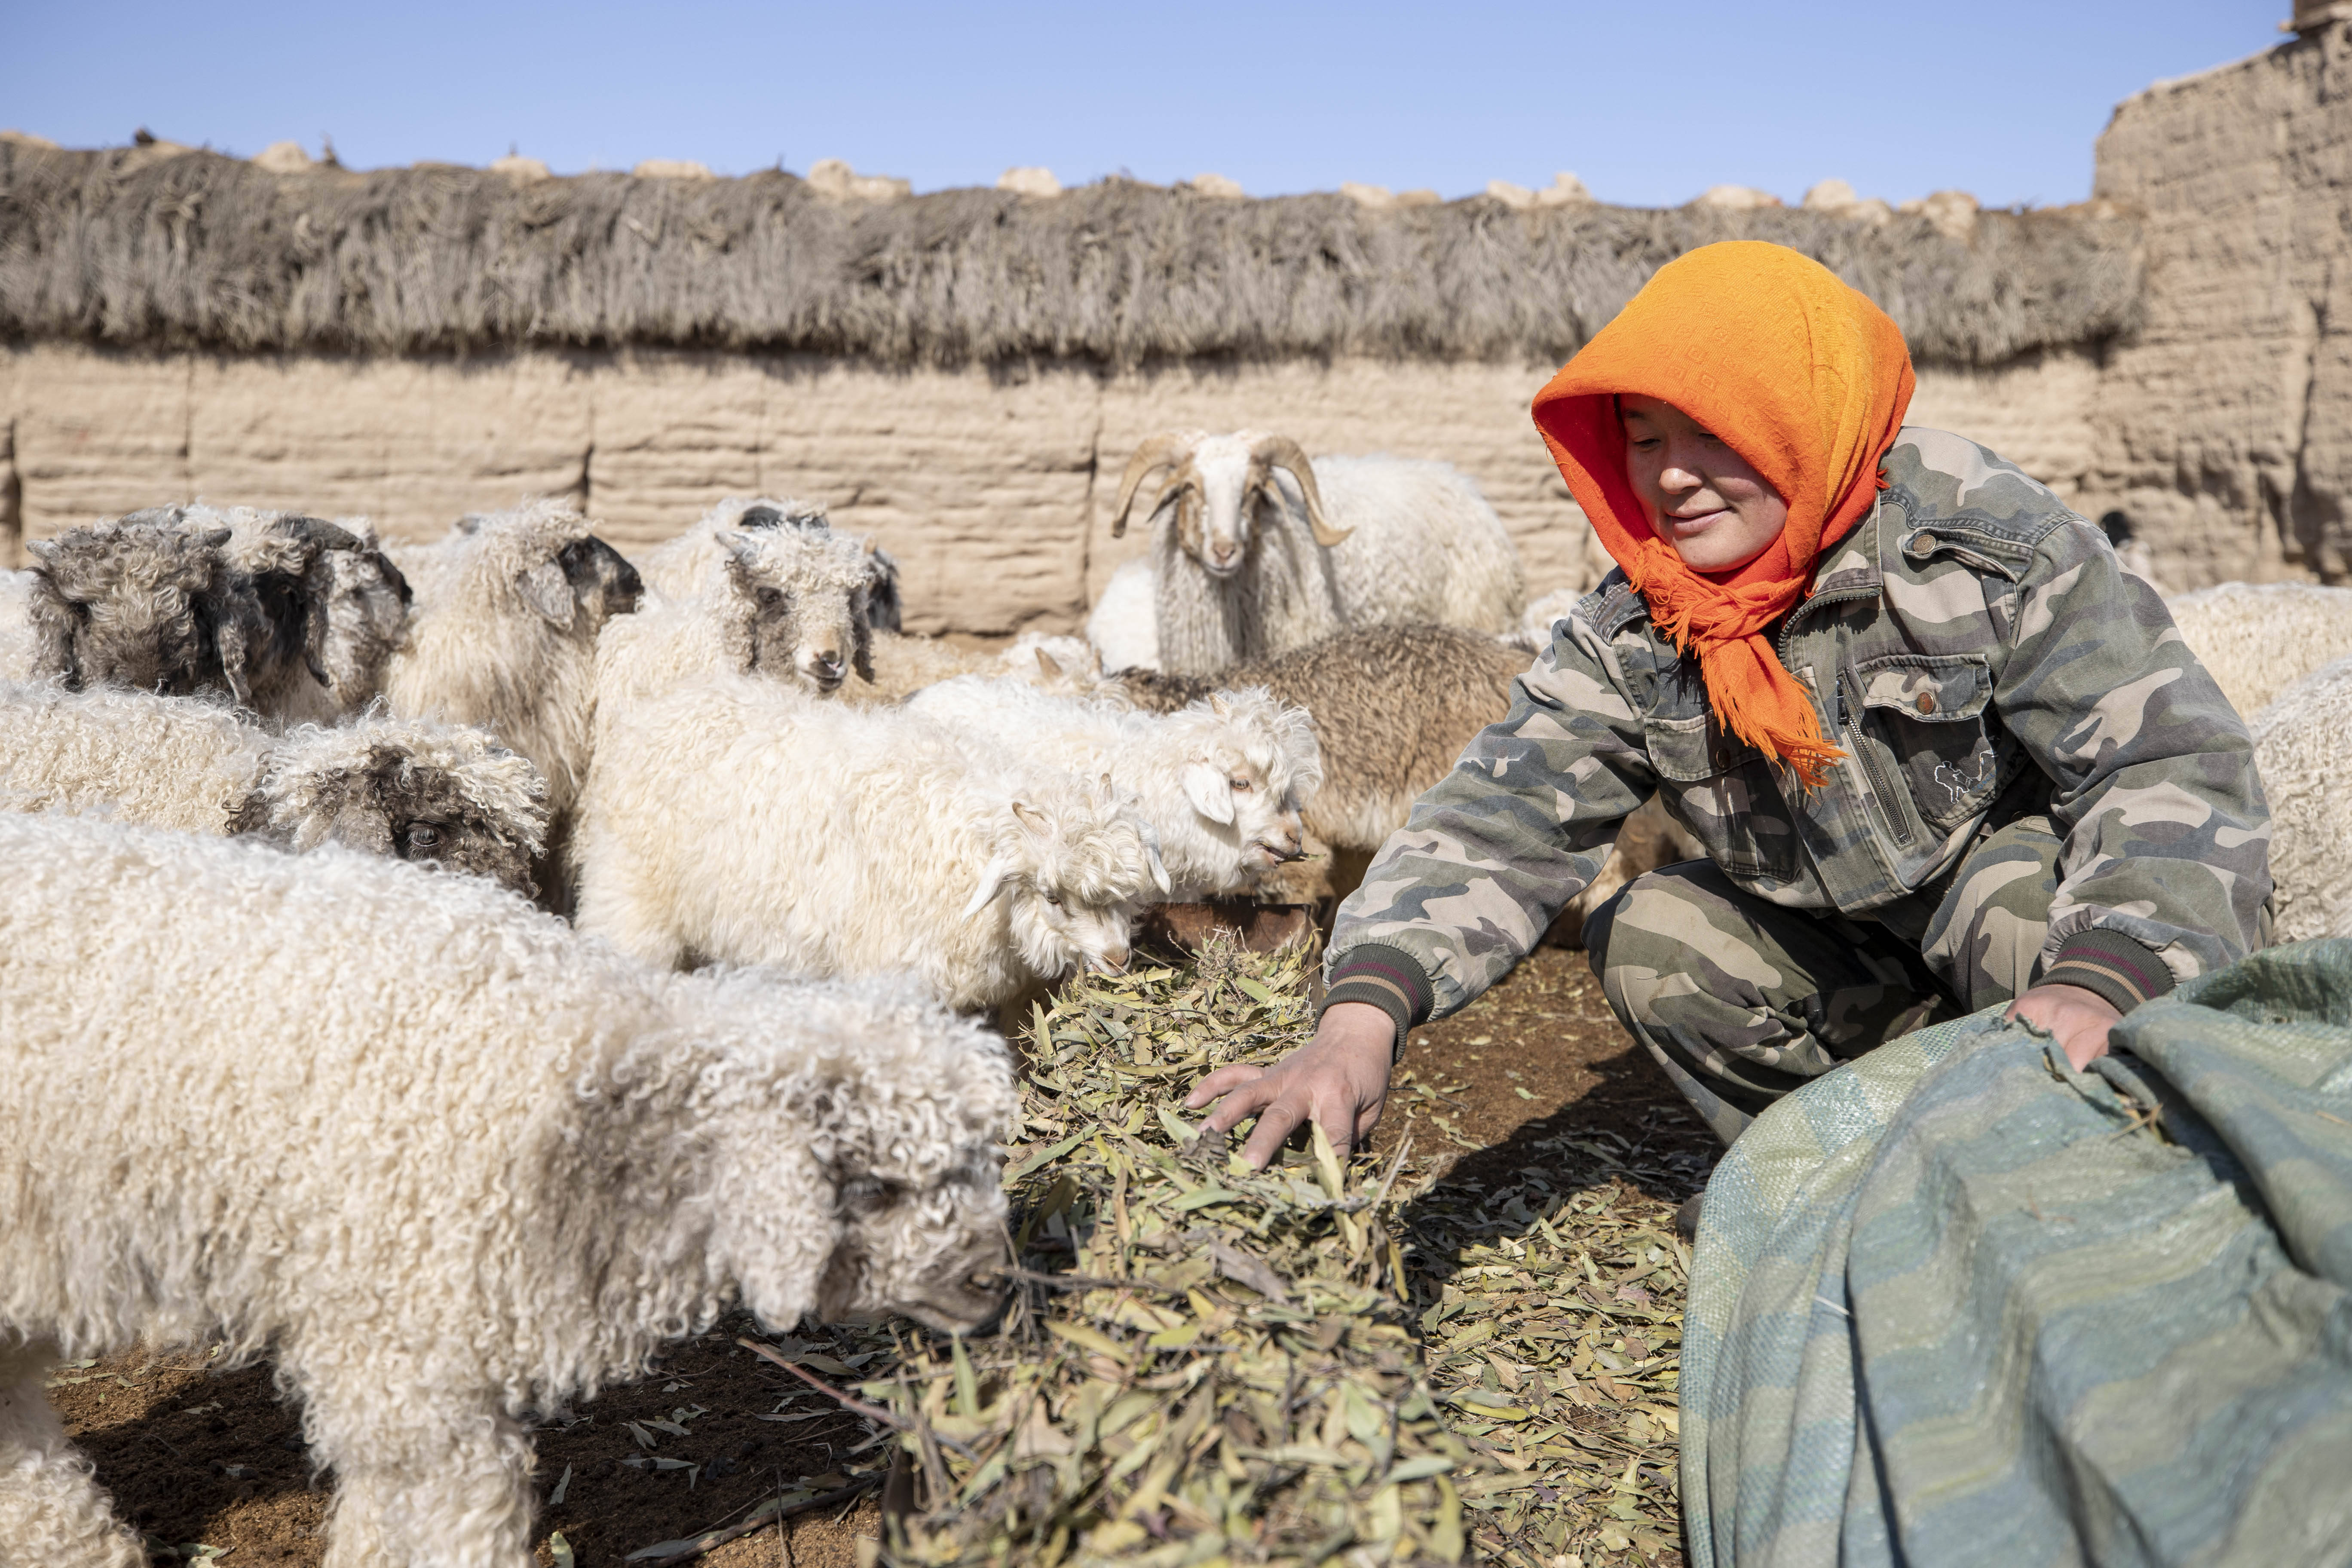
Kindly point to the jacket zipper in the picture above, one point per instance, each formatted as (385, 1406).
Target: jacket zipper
(1852, 725)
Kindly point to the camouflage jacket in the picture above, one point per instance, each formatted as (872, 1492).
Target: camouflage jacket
(1976, 651)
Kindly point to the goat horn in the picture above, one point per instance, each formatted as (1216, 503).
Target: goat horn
(1282, 452)
(1162, 451)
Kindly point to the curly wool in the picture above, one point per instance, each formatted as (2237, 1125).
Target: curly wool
(837, 841)
(503, 1164)
(334, 604)
(126, 603)
(195, 765)
(504, 635)
(2258, 639)
(1221, 781)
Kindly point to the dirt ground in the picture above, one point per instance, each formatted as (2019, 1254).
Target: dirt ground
(198, 1457)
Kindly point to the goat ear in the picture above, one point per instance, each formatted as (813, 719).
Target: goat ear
(741, 548)
(1030, 818)
(861, 640)
(1210, 793)
(1219, 706)
(1046, 667)
(992, 882)
(1151, 859)
(546, 589)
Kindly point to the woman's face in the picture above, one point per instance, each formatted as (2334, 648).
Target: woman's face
(1701, 496)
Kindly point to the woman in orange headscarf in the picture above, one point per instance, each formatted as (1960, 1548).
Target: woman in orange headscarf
(1940, 749)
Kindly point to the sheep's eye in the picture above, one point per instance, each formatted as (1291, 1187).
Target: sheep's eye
(1053, 901)
(769, 598)
(1242, 785)
(423, 835)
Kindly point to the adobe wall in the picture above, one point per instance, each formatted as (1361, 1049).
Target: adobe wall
(2224, 423)
(992, 487)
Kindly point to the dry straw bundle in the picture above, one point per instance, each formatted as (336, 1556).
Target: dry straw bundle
(1211, 1365)
(128, 248)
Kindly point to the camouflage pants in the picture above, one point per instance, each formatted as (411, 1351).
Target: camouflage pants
(1742, 1000)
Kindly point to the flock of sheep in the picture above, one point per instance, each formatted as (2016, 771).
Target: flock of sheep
(724, 863)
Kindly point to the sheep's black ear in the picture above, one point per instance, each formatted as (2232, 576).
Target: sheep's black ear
(547, 590)
(861, 643)
(761, 517)
(56, 622)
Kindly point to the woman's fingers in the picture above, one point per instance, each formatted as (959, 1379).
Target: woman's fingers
(1275, 1122)
(1223, 1080)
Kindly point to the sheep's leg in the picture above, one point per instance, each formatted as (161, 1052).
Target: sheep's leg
(425, 1486)
(52, 1511)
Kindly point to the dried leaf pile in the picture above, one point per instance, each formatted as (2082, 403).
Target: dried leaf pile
(1329, 1360)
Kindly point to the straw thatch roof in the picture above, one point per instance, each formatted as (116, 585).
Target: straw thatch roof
(151, 246)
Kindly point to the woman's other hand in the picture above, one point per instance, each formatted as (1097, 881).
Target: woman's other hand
(2079, 1018)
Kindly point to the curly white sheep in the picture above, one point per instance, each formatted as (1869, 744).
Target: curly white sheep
(443, 1161)
(1255, 549)
(839, 841)
(438, 795)
(1221, 780)
(2299, 750)
(503, 635)
(2258, 639)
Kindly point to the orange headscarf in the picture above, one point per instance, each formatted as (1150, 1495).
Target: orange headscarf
(1797, 373)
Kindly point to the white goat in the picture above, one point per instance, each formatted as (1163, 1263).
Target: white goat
(2258, 639)
(443, 1161)
(905, 665)
(1222, 780)
(438, 795)
(839, 841)
(1255, 550)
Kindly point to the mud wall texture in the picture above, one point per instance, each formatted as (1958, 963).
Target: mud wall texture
(2223, 422)
(992, 485)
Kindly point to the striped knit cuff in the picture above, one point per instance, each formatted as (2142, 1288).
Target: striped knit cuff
(2111, 964)
(1389, 980)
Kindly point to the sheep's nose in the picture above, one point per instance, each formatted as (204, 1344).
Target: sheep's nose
(1113, 961)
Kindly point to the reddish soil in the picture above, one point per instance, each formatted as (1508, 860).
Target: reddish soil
(197, 1455)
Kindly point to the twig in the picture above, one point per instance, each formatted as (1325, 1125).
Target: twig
(856, 1406)
(1083, 1282)
(770, 1511)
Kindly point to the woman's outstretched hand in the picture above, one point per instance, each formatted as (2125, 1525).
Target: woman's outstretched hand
(1338, 1079)
(2079, 1018)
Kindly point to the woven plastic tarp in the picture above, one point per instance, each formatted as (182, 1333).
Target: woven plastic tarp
(1957, 1303)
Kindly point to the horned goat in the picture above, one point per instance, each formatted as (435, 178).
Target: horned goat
(2258, 639)
(443, 1161)
(1221, 781)
(835, 841)
(503, 635)
(434, 794)
(2299, 754)
(1256, 550)
(1393, 707)
(684, 566)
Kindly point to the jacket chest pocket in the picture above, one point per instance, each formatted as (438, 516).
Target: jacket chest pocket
(1918, 724)
(1724, 792)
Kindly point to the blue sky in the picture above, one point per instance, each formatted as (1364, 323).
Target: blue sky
(1649, 102)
